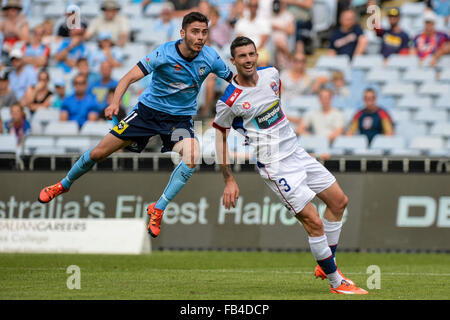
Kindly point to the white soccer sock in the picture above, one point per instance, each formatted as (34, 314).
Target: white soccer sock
(335, 279)
(333, 231)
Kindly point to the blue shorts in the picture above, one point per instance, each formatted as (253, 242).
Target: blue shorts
(143, 122)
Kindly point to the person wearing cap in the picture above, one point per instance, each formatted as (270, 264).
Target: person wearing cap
(111, 21)
(106, 51)
(71, 49)
(430, 41)
(7, 97)
(14, 25)
(22, 76)
(395, 40)
(60, 93)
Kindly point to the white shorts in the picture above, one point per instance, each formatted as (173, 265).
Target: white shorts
(296, 179)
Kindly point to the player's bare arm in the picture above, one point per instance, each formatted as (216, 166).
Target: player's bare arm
(135, 74)
(231, 191)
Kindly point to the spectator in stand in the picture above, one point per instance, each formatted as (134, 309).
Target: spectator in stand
(60, 93)
(283, 26)
(253, 27)
(220, 32)
(165, 22)
(14, 26)
(327, 121)
(35, 52)
(183, 7)
(101, 87)
(372, 119)
(394, 40)
(349, 38)
(39, 96)
(67, 22)
(49, 37)
(302, 11)
(22, 76)
(236, 12)
(338, 86)
(7, 97)
(81, 106)
(83, 68)
(224, 7)
(18, 125)
(109, 99)
(111, 21)
(71, 49)
(106, 51)
(430, 41)
(295, 81)
(204, 7)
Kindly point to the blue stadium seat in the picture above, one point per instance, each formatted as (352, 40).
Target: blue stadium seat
(419, 76)
(5, 114)
(348, 144)
(441, 129)
(398, 89)
(388, 143)
(73, 144)
(414, 102)
(383, 75)
(430, 116)
(408, 130)
(8, 143)
(367, 62)
(339, 62)
(412, 9)
(314, 143)
(434, 88)
(425, 143)
(304, 103)
(444, 76)
(38, 145)
(400, 115)
(95, 128)
(58, 128)
(443, 102)
(402, 62)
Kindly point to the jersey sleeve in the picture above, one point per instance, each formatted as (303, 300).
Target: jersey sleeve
(220, 68)
(150, 62)
(224, 116)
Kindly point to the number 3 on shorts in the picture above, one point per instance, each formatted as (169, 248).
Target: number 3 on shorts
(283, 183)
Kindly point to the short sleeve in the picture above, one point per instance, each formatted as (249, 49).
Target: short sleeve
(150, 62)
(334, 37)
(224, 116)
(358, 30)
(221, 69)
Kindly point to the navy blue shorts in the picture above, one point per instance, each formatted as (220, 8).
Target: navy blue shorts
(143, 123)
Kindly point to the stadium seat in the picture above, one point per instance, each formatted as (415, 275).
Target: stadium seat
(405, 153)
(8, 143)
(443, 62)
(153, 9)
(367, 62)
(398, 89)
(322, 17)
(95, 128)
(339, 62)
(73, 144)
(348, 144)
(412, 9)
(425, 143)
(441, 129)
(402, 61)
(419, 75)
(314, 143)
(444, 76)
(38, 145)
(382, 75)
(414, 102)
(387, 143)
(430, 116)
(58, 128)
(373, 42)
(434, 88)
(368, 152)
(91, 9)
(400, 115)
(408, 130)
(443, 102)
(5, 114)
(304, 103)
(46, 115)
(54, 11)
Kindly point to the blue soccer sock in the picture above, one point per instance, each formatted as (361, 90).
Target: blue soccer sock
(83, 165)
(177, 180)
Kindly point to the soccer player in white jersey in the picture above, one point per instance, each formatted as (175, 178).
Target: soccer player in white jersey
(251, 105)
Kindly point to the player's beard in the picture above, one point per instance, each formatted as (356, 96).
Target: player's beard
(194, 46)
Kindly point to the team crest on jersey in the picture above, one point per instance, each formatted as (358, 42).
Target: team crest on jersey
(202, 70)
(275, 87)
(246, 105)
(177, 67)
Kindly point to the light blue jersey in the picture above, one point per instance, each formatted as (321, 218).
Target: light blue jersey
(176, 80)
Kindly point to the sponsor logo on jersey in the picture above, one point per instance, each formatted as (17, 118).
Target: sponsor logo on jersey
(246, 105)
(201, 70)
(177, 67)
(121, 127)
(233, 97)
(275, 87)
(148, 61)
(270, 117)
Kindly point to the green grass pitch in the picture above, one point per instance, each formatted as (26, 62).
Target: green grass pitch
(219, 275)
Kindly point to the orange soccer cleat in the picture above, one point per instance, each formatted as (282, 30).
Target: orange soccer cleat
(348, 288)
(319, 273)
(154, 223)
(49, 193)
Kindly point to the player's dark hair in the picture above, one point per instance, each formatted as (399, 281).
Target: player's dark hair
(193, 17)
(240, 42)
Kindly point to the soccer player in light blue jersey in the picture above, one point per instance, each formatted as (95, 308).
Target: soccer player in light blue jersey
(165, 108)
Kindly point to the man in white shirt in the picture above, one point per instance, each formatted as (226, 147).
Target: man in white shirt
(253, 26)
(251, 105)
(327, 121)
